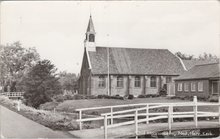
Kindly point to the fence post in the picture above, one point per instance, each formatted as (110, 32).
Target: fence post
(18, 105)
(219, 110)
(169, 118)
(111, 115)
(105, 127)
(195, 110)
(171, 107)
(136, 124)
(80, 117)
(147, 112)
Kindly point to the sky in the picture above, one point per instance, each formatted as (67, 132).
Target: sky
(57, 28)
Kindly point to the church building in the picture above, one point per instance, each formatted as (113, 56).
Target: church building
(123, 71)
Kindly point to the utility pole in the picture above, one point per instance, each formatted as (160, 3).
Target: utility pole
(108, 65)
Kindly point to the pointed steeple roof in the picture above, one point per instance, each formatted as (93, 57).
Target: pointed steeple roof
(90, 27)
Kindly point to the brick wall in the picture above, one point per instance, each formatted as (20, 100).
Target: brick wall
(96, 90)
(205, 93)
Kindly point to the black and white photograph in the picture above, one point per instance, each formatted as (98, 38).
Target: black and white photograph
(109, 69)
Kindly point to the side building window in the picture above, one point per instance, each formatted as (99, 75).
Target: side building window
(101, 81)
(200, 86)
(153, 81)
(137, 82)
(120, 81)
(193, 86)
(186, 87)
(179, 87)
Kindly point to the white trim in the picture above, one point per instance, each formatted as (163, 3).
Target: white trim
(179, 86)
(88, 58)
(186, 87)
(193, 90)
(217, 86)
(200, 89)
(181, 61)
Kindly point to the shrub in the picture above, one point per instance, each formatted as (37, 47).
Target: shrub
(163, 92)
(142, 96)
(49, 105)
(91, 97)
(78, 96)
(110, 97)
(213, 98)
(155, 95)
(130, 96)
(59, 98)
(202, 98)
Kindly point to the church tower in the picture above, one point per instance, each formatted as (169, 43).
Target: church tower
(90, 36)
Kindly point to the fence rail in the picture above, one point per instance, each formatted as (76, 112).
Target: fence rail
(143, 115)
(13, 94)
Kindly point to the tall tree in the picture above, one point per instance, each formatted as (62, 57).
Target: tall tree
(15, 61)
(68, 81)
(41, 84)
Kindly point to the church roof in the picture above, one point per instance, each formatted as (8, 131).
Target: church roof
(201, 72)
(134, 61)
(90, 27)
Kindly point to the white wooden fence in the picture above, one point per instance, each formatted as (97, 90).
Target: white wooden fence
(13, 94)
(111, 109)
(143, 111)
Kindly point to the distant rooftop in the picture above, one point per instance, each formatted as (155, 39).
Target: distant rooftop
(191, 63)
(204, 71)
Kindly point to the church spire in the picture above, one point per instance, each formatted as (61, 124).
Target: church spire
(90, 27)
(90, 36)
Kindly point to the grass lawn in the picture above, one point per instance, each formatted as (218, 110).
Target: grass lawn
(71, 105)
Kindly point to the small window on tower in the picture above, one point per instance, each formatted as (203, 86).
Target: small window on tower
(91, 38)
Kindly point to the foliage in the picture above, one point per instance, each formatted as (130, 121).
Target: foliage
(68, 81)
(184, 56)
(15, 61)
(110, 97)
(129, 96)
(148, 95)
(213, 98)
(56, 121)
(162, 92)
(41, 84)
(206, 56)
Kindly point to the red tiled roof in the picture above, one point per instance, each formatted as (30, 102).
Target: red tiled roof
(201, 72)
(135, 61)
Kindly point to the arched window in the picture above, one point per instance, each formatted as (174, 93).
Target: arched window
(91, 38)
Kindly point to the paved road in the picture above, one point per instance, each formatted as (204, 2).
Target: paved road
(13, 125)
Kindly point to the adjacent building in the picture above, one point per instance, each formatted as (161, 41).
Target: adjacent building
(201, 80)
(122, 71)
